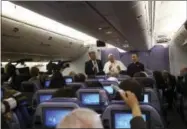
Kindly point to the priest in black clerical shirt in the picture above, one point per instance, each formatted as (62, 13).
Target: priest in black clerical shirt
(135, 66)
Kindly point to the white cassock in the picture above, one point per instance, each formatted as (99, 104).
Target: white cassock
(114, 69)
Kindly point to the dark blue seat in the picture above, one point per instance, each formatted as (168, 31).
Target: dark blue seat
(113, 116)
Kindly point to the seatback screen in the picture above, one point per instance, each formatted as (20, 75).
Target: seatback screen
(146, 98)
(43, 98)
(109, 89)
(122, 120)
(69, 80)
(53, 116)
(90, 98)
(47, 83)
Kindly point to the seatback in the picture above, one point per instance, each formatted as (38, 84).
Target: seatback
(19, 79)
(100, 77)
(153, 119)
(76, 85)
(153, 98)
(146, 81)
(109, 83)
(23, 114)
(13, 123)
(94, 98)
(41, 119)
(28, 89)
(68, 79)
(123, 77)
(61, 99)
(42, 95)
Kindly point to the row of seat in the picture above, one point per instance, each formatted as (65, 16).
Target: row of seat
(114, 115)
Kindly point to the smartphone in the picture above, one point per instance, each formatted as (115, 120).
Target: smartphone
(116, 88)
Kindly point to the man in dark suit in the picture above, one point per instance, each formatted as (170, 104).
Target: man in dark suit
(93, 66)
(135, 66)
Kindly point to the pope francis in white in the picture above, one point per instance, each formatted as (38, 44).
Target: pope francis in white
(113, 67)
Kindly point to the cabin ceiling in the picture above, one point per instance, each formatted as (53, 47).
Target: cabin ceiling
(121, 23)
(169, 17)
(36, 43)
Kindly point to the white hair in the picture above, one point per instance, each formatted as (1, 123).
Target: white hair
(110, 55)
(112, 79)
(81, 118)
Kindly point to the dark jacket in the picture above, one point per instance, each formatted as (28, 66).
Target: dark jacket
(138, 123)
(134, 68)
(89, 66)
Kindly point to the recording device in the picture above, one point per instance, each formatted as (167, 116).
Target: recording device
(116, 88)
(11, 103)
(23, 60)
(100, 43)
(57, 65)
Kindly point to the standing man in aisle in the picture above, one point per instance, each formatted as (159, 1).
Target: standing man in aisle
(113, 67)
(93, 66)
(135, 66)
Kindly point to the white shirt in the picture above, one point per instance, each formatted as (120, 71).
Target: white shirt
(114, 69)
(94, 62)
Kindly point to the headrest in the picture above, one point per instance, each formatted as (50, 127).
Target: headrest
(76, 84)
(27, 86)
(61, 99)
(146, 81)
(109, 82)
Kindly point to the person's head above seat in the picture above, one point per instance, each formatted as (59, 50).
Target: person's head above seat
(67, 92)
(11, 70)
(72, 73)
(92, 55)
(133, 86)
(94, 84)
(140, 74)
(80, 77)
(34, 71)
(81, 118)
(134, 58)
(57, 80)
(111, 57)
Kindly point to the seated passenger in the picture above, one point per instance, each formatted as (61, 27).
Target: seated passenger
(133, 86)
(57, 80)
(65, 92)
(79, 117)
(72, 73)
(140, 74)
(80, 77)
(34, 72)
(94, 84)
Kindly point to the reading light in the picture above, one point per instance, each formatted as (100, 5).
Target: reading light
(24, 15)
(109, 32)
